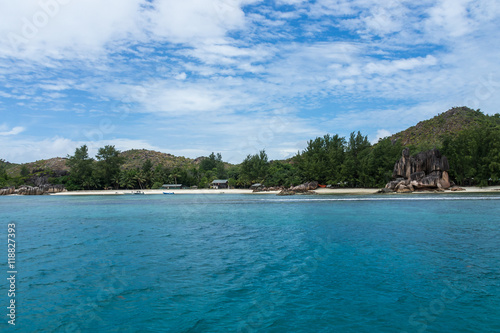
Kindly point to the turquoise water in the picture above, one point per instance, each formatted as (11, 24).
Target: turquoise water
(247, 263)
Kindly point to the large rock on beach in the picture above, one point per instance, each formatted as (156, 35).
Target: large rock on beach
(306, 188)
(33, 190)
(7, 190)
(426, 171)
(310, 186)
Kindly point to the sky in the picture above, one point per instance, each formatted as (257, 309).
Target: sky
(193, 77)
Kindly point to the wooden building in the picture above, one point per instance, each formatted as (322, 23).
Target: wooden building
(172, 186)
(220, 184)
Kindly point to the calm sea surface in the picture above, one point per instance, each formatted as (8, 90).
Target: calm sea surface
(254, 263)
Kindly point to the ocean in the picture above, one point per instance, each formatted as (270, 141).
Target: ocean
(253, 263)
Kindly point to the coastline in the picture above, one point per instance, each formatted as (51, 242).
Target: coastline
(319, 191)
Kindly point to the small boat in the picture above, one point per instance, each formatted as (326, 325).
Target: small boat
(138, 192)
(168, 193)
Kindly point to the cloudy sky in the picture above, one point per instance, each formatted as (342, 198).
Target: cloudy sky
(235, 76)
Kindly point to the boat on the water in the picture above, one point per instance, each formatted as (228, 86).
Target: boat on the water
(168, 193)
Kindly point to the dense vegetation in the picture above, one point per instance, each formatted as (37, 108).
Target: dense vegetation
(470, 140)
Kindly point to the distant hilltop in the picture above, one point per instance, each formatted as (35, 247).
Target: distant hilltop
(134, 158)
(429, 133)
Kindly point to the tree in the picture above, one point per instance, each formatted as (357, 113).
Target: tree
(214, 163)
(147, 170)
(322, 159)
(474, 154)
(81, 168)
(24, 171)
(210, 162)
(282, 174)
(3, 174)
(254, 168)
(108, 165)
(356, 149)
(377, 164)
(140, 178)
(127, 179)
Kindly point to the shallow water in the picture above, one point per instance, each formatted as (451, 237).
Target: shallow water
(246, 263)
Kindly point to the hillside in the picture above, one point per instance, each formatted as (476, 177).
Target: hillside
(57, 165)
(429, 133)
(135, 158)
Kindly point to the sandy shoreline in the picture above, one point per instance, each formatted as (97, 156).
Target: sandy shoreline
(322, 191)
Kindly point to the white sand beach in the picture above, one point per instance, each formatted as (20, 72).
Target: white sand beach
(180, 191)
(321, 191)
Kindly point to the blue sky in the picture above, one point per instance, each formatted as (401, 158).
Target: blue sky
(235, 76)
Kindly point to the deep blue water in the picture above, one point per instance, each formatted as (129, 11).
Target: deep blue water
(251, 263)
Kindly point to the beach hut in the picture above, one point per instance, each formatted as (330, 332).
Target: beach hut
(220, 184)
(255, 186)
(172, 186)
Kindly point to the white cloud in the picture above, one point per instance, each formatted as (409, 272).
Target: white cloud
(451, 19)
(389, 67)
(14, 131)
(381, 133)
(192, 21)
(56, 28)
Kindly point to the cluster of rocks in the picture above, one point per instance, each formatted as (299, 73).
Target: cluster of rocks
(268, 189)
(426, 171)
(306, 188)
(33, 190)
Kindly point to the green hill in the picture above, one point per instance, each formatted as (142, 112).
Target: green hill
(429, 133)
(56, 165)
(135, 158)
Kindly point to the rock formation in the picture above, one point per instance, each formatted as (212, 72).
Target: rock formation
(7, 190)
(425, 171)
(305, 188)
(33, 190)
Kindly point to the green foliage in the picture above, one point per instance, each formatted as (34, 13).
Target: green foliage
(4, 178)
(321, 160)
(430, 133)
(127, 179)
(24, 171)
(474, 155)
(82, 169)
(334, 161)
(378, 162)
(282, 174)
(157, 186)
(108, 165)
(254, 168)
(214, 164)
(356, 151)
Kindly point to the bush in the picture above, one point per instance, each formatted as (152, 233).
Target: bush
(157, 186)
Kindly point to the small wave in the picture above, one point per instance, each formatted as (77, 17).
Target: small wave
(380, 199)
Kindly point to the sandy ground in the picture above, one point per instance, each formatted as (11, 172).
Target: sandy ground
(471, 189)
(188, 191)
(491, 189)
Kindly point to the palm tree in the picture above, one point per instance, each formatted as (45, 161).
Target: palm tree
(140, 178)
(175, 175)
(90, 182)
(126, 180)
(116, 181)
